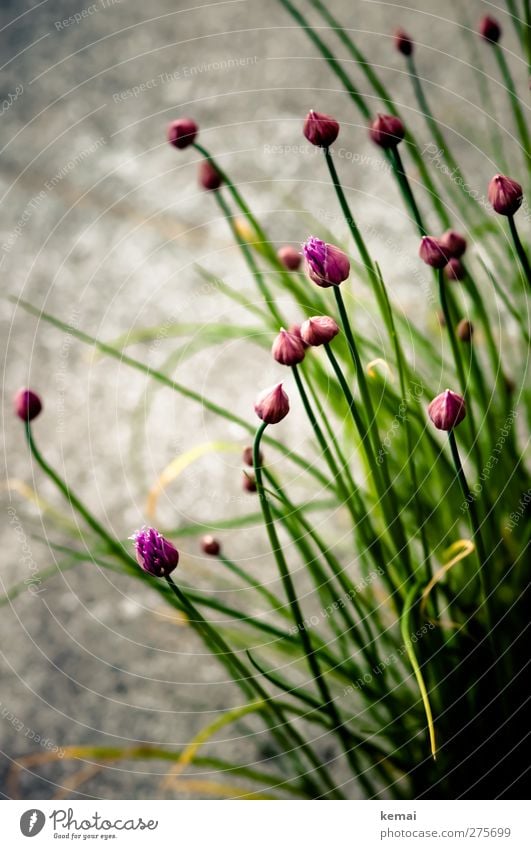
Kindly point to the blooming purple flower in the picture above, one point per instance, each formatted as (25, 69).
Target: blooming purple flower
(326, 264)
(505, 195)
(320, 129)
(154, 553)
(272, 405)
(27, 404)
(447, 410)
(319, 330)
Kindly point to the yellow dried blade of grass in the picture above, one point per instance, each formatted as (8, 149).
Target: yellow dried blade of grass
(462, 548)
(178, 465)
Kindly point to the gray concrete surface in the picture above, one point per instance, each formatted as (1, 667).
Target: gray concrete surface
(102, 224)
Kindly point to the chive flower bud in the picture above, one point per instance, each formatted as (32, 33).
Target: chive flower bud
(447, 410)
(319, 329)
(490, 29)
(249, 482)
(454, 244)
(295, 330)
(320, 129)
(326, 264)
(432, 253)
(465, 330)
(505, 195)
(208, 176)
(182, 132)
(289, 257)
(387, 131)
(210, 545)
(455, 270)
(154, 553)
(27, 405)
(272, 405)
(288, 349)
(403, 42)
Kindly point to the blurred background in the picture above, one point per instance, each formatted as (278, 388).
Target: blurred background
(103, 225)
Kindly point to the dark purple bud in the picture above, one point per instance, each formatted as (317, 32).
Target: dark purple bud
(249, 482)
(154, 553)
(209, 177)
(295, 330)
(403, 42)
(287, 349)
(272, 405)
(320, 130)
(489, 29)
(182, 132)
(505, 195)
(210, 545)
(247, 456)
(447, 410)
(27, 405)
(431, 252)
(387, 131)
(290, 257)
(455, 270)
(326, 264)
(319, 329)
(454, 243)
(465, 330)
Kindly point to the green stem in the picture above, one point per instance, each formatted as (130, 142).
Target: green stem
(313, 663)
(520, 119)
(520, 250)
(396, 161)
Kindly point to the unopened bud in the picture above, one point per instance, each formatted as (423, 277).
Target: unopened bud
(320, 129)
(447, 410)
(319, 330)
(290, 257)
(387, 131)
(288, 349)
(182, 132)
(505, 195)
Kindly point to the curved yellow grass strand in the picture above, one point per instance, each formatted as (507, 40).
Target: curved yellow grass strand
(29, 494)
(204, 735)
(371, 368)
(178, 465)
(462, 548)
(215, 788)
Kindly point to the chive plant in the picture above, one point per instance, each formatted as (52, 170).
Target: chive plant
(416, 660)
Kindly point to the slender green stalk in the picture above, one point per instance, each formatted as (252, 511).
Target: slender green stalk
(520, 250)
(313, 663)
(519, 117)
(250, 260)
(396, 161)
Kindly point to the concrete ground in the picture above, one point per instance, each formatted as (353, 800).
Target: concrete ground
(102, 224)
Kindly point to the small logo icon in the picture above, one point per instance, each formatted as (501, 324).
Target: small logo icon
(32, 822)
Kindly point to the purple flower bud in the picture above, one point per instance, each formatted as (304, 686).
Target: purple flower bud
(295, 330)
(454, 243)
(387, 131)
(249, 482)
(465, 330)
(154, 553)
(403, 42)
(247, 456)
(209, 177)
(289, 257)
(489, 29)
(326, 264)
(182, 132)
(505, 195)
(210, 545)
(319, 329)
(455, 269)
(447, 410)
(287, 349)
(272, 405)
(432, 253)
(27, 405)
(320, 130)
